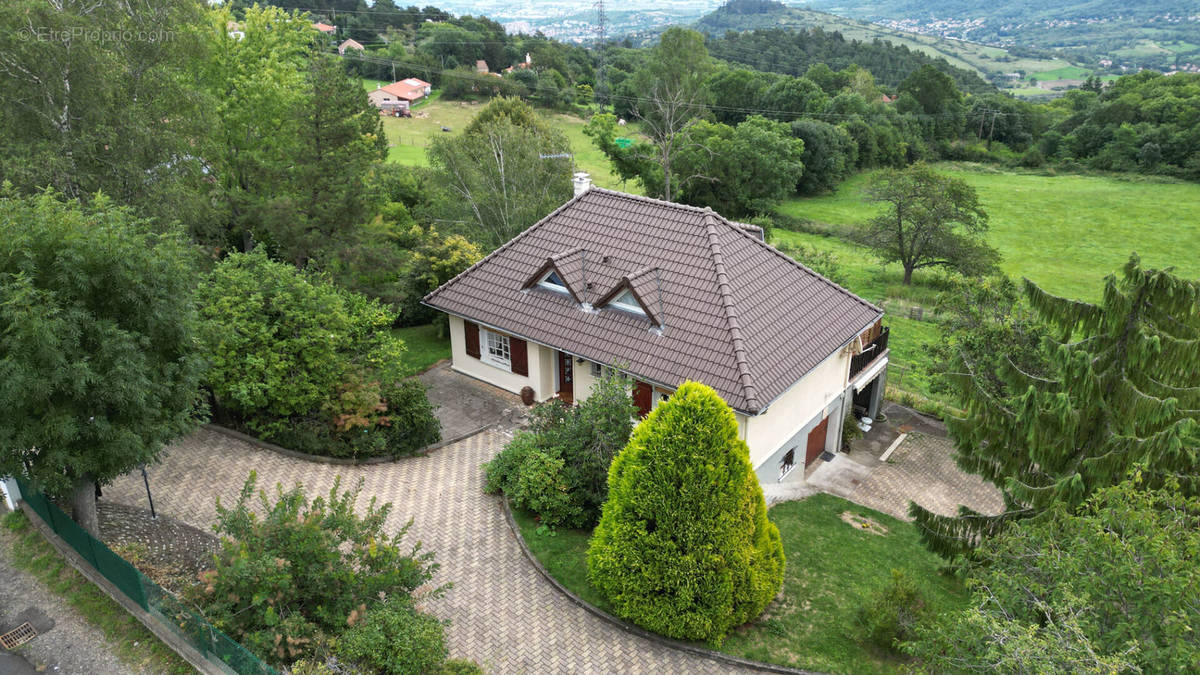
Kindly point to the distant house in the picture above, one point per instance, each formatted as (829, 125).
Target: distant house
(481, 66)
(234, 29)
(350, 44)
(667, 293)
(400, 95)
(325, 28)
(884, 98)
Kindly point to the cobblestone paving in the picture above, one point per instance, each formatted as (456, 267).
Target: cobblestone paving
(922, 469)
(504, 615)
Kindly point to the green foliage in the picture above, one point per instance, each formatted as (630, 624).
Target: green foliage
(891, 614)
(84, 112)
(394, 639)
(738, 170)
(433, 260)
(293, 573)
(98, 359)
(495, 179)
(684, 547)
(297, 359)
(1109, 587)
(1119, 393)
(931, 220)
(986, 327)
(559, 468)
(830, 154)
(820, 261)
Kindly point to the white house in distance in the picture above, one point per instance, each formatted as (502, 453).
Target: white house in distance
(400, 95)
(668, 293)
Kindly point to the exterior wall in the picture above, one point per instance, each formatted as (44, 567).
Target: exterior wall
(797, 408)
(538, 378)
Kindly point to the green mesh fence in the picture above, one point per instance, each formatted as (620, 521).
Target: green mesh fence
(216, 646)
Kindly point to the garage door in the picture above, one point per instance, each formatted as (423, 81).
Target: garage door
(816, 442)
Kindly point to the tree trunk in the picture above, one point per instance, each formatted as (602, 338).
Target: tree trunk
(908, 276)
(83, 506)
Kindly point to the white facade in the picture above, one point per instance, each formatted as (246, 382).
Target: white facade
(824, 392)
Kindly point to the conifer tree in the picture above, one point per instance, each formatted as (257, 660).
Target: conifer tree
(1122, 392)
(684, 547)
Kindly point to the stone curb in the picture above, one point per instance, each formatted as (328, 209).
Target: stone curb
(341, 461)
(635, 630)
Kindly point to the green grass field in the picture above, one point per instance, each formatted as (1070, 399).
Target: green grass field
(1065, 72)
(1064, 232)
(832, 569)
(408, 137)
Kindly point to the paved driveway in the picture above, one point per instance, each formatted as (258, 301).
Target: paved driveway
(504, 614)
(464, 405)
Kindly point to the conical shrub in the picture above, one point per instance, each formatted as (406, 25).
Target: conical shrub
(684, 547)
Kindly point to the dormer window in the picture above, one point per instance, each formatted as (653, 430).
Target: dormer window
(628, 302)
(553, 282)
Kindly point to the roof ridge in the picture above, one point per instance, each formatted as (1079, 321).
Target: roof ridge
(749, 390)
(651, 200)
(504, 246)
(762, 242)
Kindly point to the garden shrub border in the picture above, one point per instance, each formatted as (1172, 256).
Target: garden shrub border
(630, 628)
(341, 461)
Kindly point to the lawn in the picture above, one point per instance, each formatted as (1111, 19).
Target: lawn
(425, 347)
(133, 643)
(832, 569)
(408, 137)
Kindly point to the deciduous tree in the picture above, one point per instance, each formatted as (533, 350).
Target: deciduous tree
(98, 359)
(930, 220)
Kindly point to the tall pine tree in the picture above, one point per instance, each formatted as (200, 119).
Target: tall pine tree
(1123, 393)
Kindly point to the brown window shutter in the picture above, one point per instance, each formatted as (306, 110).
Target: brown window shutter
(472, 331)
(519, 356)
(643, 397)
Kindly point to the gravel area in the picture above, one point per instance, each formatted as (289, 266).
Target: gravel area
(168, 551)
(71, 645)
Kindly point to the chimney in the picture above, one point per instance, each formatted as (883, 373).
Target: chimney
(582, 182)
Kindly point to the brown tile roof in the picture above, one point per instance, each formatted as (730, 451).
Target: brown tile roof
(730, 310)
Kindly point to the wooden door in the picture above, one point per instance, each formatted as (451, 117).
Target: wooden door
(816, 442)
(643, 398)
(566, 378)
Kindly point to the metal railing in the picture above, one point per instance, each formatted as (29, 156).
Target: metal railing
(870, 352)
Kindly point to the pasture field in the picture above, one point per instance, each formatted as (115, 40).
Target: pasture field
(1065, 232)
(409, 136)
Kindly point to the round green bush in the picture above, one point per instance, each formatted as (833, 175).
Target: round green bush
(395, 639)
(684, 547)
(890, 615)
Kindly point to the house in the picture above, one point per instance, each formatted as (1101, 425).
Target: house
(667, 293)
(399, 95)
(481, 66)
(350, 44)
(325, 28)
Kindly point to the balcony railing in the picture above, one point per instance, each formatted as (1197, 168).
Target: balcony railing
(871, 351)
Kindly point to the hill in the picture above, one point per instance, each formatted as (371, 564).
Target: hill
(1158, 34)
(985, 62)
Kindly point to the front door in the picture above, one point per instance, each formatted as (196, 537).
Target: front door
(816, 442)
(566, 388)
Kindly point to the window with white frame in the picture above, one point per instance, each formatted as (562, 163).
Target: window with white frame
(659, 396)
(627, 302)
(788, 463)
(496, 349)
(553, 282)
